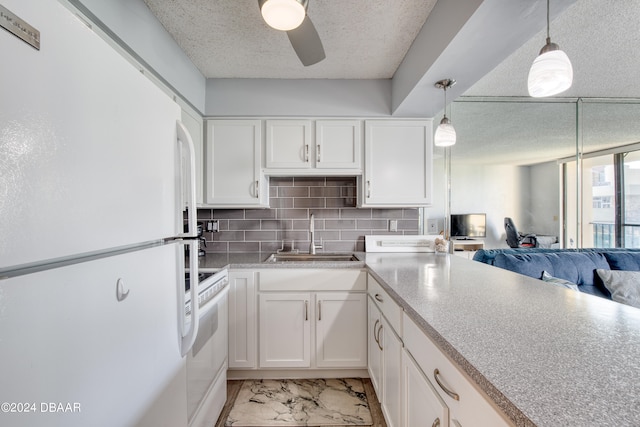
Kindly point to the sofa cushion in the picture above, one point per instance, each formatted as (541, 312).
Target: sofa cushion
(618, 260)
(623, 285)
(558, 281)
(576, 267)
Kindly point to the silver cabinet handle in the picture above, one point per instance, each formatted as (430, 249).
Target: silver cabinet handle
(368, 189)
(306, 310)
(436, 423)
(320, 310)
(436, 375)
(306, 153)
(378, 298)
(318, 153)
(257, 189)
(378, 337)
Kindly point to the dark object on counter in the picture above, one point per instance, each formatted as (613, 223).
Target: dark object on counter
(203, 242)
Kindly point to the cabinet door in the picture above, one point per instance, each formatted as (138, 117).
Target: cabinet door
(391, 373)
(341, 330)
(242, 320)
(338, 144)
(233, 155)
(374, 354)
(421, 404)
(398, 163)
(288, 144)
(285, 330)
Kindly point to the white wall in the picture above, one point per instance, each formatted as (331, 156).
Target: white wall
(530, 195)
(524, 193)
(314, 97)
(544, 202)
(133, 23)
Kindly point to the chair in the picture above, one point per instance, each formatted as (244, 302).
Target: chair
(518, 240)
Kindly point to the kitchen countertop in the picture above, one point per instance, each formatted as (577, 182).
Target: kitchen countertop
(545, 355)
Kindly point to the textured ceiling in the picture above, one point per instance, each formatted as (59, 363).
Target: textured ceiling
(367, 39)
(363, 39)
(602, 39)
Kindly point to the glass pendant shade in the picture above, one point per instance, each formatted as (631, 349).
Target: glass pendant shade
(445, 134)
(551, 73)
(283, 15)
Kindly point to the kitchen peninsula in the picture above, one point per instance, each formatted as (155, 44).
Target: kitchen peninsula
(543, 355)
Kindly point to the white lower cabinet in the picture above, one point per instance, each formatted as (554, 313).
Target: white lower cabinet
(312, 318)
(341, 330)
(421, 404)
(466, 404)
(391, 374)
(288, 320)
(375, 350)
(285, 330)
(242, 320)
(385, 352)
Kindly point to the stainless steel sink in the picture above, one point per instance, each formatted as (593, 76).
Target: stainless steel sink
(311, 257)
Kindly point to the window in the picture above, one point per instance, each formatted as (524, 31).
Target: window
(602, 202)
(610, 205)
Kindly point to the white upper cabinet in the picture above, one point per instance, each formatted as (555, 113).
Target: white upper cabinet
(233, 155)
(307, 147)
(398, 163)
(338, 144)
(288, 144)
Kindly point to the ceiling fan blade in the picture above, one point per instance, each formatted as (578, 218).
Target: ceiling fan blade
(306, 42)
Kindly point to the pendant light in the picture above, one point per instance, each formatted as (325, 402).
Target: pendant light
(283, 15)
(445, 133)
(551, 72)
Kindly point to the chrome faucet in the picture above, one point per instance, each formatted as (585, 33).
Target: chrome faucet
(312, 244)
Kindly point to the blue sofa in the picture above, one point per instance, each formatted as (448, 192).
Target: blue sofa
(574, 265)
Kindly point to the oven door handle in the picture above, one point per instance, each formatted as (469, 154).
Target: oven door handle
(189, 337)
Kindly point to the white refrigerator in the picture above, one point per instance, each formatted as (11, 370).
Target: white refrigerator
(92, 324)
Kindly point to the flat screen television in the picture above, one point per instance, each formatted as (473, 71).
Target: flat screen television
(468, 226)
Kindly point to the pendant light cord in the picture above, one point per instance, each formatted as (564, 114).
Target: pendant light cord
(445, 101)
(548, 24)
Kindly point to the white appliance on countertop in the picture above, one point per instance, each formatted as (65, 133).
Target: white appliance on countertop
(94, 329)
(398, 244)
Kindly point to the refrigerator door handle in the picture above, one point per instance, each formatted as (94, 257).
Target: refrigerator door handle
(184, 139)
(189, 338)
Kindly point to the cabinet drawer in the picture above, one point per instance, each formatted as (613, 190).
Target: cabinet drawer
(467, 404)
(387, 306)
(312, 279)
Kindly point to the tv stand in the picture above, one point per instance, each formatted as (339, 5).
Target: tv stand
(467, 247)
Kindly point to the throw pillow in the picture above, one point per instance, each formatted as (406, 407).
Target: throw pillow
(558, 281)
(623, 285)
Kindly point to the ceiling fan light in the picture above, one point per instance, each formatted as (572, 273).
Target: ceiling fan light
(551, 73)
(283, 15)
(445, 134)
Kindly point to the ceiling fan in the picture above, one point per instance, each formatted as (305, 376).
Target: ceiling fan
(291, 16)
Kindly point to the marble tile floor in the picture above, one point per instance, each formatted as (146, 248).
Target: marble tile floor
(261, 394)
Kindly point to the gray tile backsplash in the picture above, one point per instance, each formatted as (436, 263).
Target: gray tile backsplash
(332, 200)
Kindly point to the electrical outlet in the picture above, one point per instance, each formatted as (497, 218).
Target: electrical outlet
(393, 225)
(212, 226)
